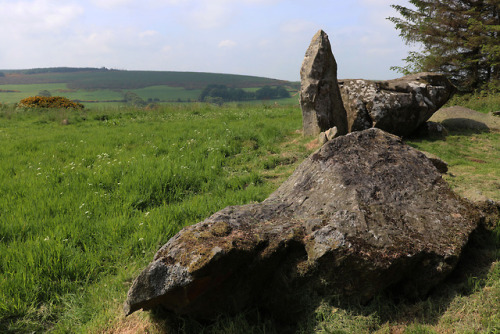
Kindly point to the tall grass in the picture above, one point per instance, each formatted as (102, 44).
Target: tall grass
(81, 201)
(84, 207)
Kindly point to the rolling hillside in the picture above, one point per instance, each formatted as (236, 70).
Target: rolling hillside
(108, 86)
(94, 78)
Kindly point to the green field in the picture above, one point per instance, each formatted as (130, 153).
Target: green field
(95, 86)
(84, 207)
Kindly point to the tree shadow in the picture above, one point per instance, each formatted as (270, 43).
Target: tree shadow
(464, 125)
(452, 126)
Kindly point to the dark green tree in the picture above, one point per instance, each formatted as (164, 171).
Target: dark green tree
(45, 93)
(267, 93)
(134, 99)
(222, 92)
(459, 38)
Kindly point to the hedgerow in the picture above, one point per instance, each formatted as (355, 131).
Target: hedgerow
(49, 102)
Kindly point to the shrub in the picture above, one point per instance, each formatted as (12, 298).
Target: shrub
(49, 102)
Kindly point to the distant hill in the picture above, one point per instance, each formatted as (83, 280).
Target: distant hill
(103, 78)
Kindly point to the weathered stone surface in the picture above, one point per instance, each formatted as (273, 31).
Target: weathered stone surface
(320, 99)
(397, 106)
(364, 213)
(491, 212)
(440, 165)
(328, 135)
(430, 130)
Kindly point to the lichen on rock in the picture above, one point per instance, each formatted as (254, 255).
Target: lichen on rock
(362, 214)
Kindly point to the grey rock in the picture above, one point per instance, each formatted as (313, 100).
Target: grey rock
(332, 133)
(322, 138)
(430, 130)
(320, 99)
(397, 106)
(364, 213)
(440, 165)
(328, 135)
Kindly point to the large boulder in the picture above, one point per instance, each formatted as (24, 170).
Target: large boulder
(397, 106)
(362, 214)
(320, 99)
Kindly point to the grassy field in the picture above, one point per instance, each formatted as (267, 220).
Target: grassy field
(109, 86)
(85, 206)
(120, 79)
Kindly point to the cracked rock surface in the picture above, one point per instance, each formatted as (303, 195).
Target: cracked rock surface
(320, 99)
(397, 106)
(362, 214)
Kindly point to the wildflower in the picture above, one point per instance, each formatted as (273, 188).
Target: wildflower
(81, 206)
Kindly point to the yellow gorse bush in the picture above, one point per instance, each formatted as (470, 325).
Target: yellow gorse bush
(49, 102)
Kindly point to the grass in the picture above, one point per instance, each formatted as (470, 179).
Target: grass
(480, 101)
(119, 79)
(81, 201)
(473, 162)
(85, 206)
(104, 97)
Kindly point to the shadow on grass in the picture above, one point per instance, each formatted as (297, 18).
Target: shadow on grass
(454, 127)
(331, 315)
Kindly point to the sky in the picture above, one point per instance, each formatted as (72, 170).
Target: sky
(265, 38)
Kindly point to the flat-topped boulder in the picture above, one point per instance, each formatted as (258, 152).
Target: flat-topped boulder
(397, 106)
(362, 214)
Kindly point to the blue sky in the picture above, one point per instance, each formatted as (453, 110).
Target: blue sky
(252, 37)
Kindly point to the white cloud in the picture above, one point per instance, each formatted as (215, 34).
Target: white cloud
(211, 14)
(227, 43)
(297, 26)
(37, 16)
(110, 4)
(148, 33)
(258, 2)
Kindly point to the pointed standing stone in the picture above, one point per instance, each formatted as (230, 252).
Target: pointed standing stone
(320, 99)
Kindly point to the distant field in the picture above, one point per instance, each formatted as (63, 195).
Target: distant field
(113, 79)
(96, 86)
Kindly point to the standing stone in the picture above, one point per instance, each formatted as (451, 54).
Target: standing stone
(320, 99)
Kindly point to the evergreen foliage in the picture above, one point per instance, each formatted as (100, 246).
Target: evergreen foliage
(267, 93)
(134, 99)
(458, 37)
(45, 93)
(223, 93)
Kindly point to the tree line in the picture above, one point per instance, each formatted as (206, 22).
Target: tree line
(222, 93)
(459, 38)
